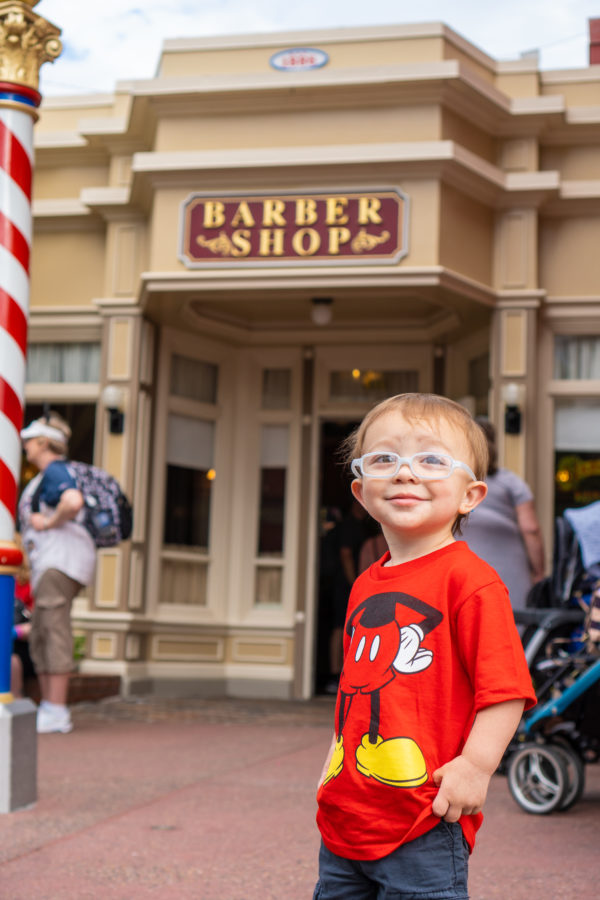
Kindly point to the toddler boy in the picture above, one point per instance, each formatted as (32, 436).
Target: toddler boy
(434, 681)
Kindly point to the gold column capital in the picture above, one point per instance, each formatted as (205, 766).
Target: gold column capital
(26, 42)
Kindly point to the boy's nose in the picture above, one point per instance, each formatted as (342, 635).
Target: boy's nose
(404, 473)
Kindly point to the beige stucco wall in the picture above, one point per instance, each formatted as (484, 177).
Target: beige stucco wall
(67, 181)
(573, 162)
(468, 135)
(584, 92)
(569, 256)
(466, 235)
(293, 127)
(348, 54)
(67, 269)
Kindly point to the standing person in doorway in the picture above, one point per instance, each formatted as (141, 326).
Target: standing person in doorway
(62, 556)
(504, 530)
(351, 534)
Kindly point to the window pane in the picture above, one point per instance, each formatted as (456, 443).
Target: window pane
(576, 357)
(194, 379)
(267, 589)
(190, 474)
(60, 363)
(372, 385)
(276, 388)
(273, 471)
(577, 453)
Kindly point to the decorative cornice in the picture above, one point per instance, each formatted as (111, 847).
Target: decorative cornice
(26, 42)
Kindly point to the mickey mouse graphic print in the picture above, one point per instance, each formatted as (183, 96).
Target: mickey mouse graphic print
(427, 644)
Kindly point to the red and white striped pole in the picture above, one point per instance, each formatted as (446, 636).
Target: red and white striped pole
(26, 41)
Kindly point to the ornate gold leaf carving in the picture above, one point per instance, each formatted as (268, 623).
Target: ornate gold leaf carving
(220, 244)
(26, 42)
(365, 241)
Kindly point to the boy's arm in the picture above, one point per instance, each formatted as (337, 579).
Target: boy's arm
(327, 761)
(463, 782)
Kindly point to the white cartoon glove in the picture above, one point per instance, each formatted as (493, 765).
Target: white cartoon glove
(411, 657)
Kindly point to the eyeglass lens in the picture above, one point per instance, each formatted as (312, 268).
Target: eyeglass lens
(423, 465)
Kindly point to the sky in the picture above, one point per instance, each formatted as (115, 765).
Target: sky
(106, 41)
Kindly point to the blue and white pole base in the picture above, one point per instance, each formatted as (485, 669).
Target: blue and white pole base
(18, 736)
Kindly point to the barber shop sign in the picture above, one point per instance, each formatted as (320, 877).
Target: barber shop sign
(283, 229)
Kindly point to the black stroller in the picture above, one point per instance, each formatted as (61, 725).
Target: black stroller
(545, 763)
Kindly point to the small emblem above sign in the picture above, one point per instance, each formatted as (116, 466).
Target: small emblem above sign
(296, 59)
(282, 229)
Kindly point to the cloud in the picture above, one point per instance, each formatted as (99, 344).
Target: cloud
(108, 41)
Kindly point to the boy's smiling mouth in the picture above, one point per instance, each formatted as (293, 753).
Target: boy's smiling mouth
(401, 499)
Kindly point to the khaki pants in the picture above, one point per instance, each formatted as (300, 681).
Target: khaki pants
(51, 638)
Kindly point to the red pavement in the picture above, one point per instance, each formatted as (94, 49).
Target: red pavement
(214, 800)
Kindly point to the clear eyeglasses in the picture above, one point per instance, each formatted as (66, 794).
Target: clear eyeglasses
(426, 466)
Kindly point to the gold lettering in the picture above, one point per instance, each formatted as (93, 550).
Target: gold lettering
(335, 210)
(241, 240)
(338, 236)
(306, 212)
(314, 241)
(273, 212)
(243, 215)
(271, 242)
(214, 214)
(368, 208)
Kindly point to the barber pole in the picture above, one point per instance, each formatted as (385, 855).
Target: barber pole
(26, 41)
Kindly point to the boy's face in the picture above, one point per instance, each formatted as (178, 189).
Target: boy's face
(405, 505)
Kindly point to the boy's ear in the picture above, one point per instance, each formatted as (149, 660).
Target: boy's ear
(357, 491)
(475, 493)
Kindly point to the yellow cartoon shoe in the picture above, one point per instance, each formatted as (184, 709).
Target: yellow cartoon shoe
(337, 761)
(397, 761)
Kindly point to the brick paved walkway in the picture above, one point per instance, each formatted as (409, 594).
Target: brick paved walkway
(214, 800)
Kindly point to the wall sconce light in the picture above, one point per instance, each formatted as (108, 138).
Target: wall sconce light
(112, 399)
(321, 310)
(512, 397)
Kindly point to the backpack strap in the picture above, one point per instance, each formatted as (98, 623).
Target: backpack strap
(35, 497)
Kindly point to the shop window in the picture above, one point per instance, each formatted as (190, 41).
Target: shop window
(273, 471)
(193, 379)
(577, 452)
(276, 388)
(576, 357)
(274, 457)
(370, 385)
(63, 363)
(190, 474)
(267, 589)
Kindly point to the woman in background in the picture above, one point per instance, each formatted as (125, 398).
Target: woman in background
(504, 530)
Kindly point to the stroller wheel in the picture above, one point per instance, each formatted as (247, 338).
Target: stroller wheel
(575, 774)
(537, 778)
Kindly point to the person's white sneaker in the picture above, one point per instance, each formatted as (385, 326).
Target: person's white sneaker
(53, 718)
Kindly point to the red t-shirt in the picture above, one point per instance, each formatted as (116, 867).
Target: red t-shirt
(427, 644)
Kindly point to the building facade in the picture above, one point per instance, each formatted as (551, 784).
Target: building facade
(254, 247)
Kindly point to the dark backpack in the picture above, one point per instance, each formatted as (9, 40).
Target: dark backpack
(108, 515)
(108, 512)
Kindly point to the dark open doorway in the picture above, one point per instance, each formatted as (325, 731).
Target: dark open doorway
(335, 501)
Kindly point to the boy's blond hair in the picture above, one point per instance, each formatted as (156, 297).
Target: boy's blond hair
(425, 406)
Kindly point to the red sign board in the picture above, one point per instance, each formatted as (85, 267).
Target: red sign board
(279, 229)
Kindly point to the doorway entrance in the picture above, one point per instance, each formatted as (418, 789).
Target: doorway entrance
(341, 525)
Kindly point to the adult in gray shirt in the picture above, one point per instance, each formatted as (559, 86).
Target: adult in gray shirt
(504, 529)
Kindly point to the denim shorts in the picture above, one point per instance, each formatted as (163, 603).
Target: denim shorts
(432, 867)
